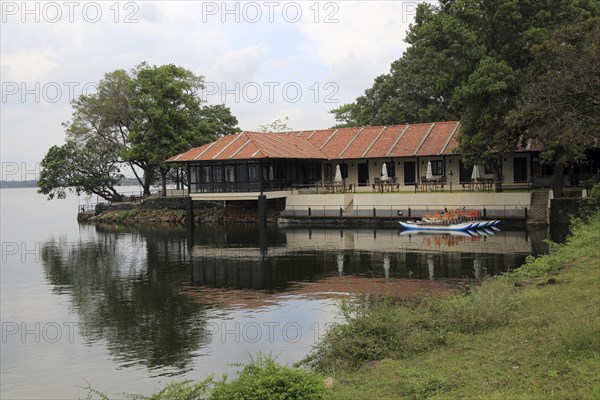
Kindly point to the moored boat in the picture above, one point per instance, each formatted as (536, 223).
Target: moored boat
(424, 225)
(433, 226)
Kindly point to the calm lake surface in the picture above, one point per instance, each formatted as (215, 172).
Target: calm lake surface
(129, 309)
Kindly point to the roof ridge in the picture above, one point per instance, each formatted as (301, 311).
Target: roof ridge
(445, 146)
(350, 142)
(397, 140)
(290, 147)
(424, 139)
(329, 138)
(206, 149)
(229, 144)
(374, 141)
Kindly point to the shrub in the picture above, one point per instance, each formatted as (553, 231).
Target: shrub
(263, 378)
(382, 330)
(266, 379)
(487, 306)
(389, 330)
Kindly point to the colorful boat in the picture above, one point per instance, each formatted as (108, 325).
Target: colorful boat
(442, 227)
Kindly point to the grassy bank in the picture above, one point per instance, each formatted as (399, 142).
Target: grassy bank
(534, 333)
(531, 334)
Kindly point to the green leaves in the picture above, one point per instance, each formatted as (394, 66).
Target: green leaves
(90, 166)
(510, 70)
(137, 119)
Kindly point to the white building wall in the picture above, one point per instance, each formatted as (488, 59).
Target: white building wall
(451, 165)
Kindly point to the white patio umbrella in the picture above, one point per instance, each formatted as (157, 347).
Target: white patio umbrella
(386, 265)
(338, 174)
(430, 266)
(476, 173)
(271, 174)
(384, 173)
(340, 264)
(429, 173)
(477, 269)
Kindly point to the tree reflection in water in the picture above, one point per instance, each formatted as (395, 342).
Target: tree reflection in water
(122, 290)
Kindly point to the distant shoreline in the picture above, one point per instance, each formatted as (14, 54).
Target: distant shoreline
(17, 184)
(32, 183)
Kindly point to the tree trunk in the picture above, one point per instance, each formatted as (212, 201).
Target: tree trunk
(136, 174)
(497, 174)
(148, 178)
(558, 179)
(163, 178)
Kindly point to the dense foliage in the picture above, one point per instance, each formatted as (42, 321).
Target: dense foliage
(510, 71)
(136, 119)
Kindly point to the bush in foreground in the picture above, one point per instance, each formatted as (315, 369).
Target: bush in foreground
(266, 379)
(387, 329)
(261, 379)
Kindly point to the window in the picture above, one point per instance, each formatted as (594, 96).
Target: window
(218, 173)
(437, 167)
(242, 173)
(229, 173)
(328, 172)
(206, 174)
(253, 172)
(194, 174)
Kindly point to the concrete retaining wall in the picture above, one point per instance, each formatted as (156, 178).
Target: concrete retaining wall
(391, 205)
(160, 203)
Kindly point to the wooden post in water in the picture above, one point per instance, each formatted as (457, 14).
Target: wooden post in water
(189, 220)
(262, 209)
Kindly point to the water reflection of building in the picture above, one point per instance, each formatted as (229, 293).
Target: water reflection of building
(320, 262)
(307, 254)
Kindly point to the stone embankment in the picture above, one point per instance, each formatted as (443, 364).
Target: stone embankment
(172, 210)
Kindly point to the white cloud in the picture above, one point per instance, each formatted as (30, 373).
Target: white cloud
(361, 45)
(310, 53)
(240, 65)
(28, 66)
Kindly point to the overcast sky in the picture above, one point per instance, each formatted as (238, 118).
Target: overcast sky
(264, 60)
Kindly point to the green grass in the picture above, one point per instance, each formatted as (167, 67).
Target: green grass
(541, 341)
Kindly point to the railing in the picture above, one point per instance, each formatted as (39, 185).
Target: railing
(88, 207)
(507, 211)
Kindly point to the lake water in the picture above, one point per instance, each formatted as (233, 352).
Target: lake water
(129, 309)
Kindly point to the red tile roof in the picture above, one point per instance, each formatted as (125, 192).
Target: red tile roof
(332, 144)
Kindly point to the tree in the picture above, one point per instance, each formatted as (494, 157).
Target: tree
(138, 119)
(217, 120)
(345, 115)
(483, 99)
(420, 84)
(107, 114)
(560, 107)
(169, 118)
(90, 166)
(468, 59)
